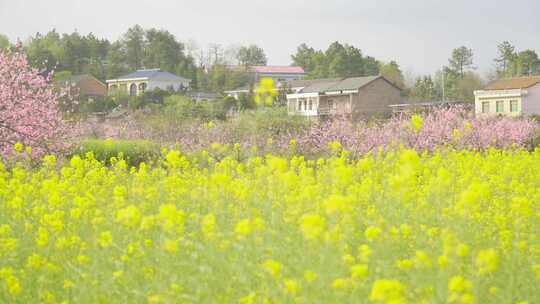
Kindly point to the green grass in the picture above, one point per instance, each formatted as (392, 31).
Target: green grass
(133, 152)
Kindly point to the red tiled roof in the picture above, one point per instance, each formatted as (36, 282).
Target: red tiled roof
(513, 83)
(278, 69)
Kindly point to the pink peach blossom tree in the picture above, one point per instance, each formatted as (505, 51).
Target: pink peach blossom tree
(29, 107)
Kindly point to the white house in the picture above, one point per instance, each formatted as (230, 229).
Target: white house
(355, 97)
(511, 96)
(138, 82)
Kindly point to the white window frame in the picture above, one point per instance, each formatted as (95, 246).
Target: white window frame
(501, 104)
(485, 106)
(516, 104)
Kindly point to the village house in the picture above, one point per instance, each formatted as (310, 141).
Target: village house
(283, 77)
(280, 74)
(85, 87)
(353, 97)
(138, 82)
(511, 96)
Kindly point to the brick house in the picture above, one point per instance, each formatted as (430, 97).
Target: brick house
(86, 87)
(353, 97)
(510, 96)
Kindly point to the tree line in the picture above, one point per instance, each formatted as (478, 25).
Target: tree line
(457, 80)
(344, 60)
(138, 48)
(209, 67)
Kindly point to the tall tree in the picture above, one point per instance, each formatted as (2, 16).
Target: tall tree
(162, 50)
(393, 73)
(304, 58)
(134, 43)
(424, 89)
(45, 51)
(320, 66)
(116, 60)
(527, 63)
(466, 86)
(371, 66)
(356, 62)
(251, 55)
(507, 54)
(76, 53)
(339, 60)
(96, 63)
(461, 60)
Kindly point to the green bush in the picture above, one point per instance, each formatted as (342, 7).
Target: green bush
(179, 108)
(97, 104)
(268, 122)
(133, 152)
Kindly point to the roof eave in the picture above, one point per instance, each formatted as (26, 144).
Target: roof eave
(126, 79)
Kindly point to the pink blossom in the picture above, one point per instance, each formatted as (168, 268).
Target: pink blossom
(28, 107)
(451, 127)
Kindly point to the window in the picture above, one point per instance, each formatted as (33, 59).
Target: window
(330, 104)
(513, 106)
(500, 106)
(133, 90)
(485, 107)
(299, 105)
(310, 105)
(142, 87)
(305, 105)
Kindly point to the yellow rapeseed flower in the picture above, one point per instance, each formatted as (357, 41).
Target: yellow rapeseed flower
(272, 266)
(388, 291)
(487, 261)
(312, 225)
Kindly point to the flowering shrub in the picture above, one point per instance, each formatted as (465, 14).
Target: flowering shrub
(28, 107)
(453, 127)
(446, 227)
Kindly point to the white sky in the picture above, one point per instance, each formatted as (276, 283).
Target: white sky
(418, 34)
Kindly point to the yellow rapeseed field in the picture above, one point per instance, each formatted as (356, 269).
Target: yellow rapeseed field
(448, 227)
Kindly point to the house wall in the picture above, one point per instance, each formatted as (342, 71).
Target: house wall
(374, 99)
(531, 101)
(279, 77)
(124, 86)
(164, 84)
(492, 97)
(341, 104)
(300, 106)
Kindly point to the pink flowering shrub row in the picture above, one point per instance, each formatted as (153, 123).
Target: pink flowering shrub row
(452, 127)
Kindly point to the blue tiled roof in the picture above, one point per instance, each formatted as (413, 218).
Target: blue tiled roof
(153, 74)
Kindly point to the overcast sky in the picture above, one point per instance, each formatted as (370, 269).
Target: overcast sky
(418, 34)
